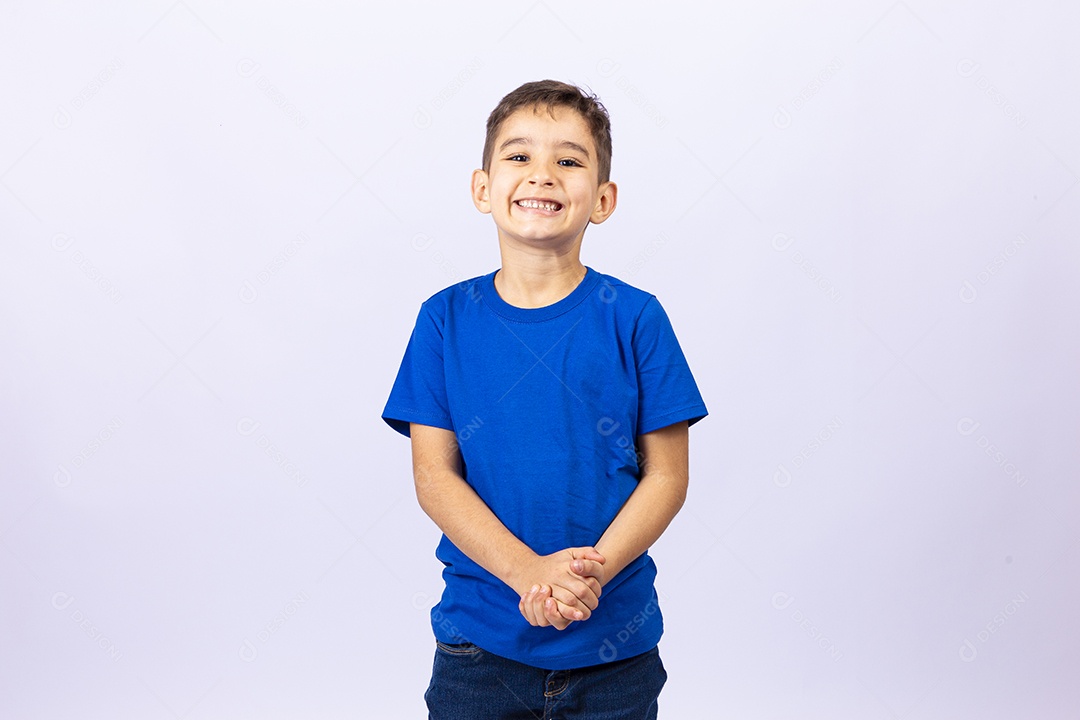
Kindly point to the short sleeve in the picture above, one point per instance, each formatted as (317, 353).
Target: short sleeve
(419, 392)
(667, 392)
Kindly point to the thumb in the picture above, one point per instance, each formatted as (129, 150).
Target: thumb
(593, 554)
(587, 553)
(586, 568)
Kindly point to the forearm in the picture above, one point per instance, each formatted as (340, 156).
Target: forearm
(643, 518)
(471, 525)
(664, 459)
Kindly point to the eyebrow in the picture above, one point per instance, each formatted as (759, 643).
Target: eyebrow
(563, 144)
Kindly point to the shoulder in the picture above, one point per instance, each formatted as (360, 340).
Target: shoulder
(630, 303)
(452, 299)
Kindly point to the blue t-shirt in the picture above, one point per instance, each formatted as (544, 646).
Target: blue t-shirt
(546, 404)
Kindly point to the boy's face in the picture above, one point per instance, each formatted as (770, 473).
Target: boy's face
(543, 186)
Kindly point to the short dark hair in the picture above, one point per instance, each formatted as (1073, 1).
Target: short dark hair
(551, 94)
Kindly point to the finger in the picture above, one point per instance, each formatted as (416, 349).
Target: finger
(593, 582)
(539, 600)
(525, 607)
(553, 613)
(557, 612)
(531, 607)
(585, 591)
(573, 608)
(586, 568)
(588, 553)
(521, 602)
(589, 572)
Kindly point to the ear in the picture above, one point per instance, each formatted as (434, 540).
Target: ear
(605, 203)
(480, 196)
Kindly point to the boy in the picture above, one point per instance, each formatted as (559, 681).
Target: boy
(548, 407)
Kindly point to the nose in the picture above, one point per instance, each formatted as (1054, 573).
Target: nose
(540, 176)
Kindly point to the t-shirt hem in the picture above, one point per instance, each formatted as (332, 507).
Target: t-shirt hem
(606, 652)
(399, 419)
(691, 413)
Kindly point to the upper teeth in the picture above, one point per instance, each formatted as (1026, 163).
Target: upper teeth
(538, 205)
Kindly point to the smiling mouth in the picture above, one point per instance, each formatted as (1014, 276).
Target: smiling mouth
(539, 205)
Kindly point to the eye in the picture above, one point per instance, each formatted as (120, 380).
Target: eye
(571, 161)
(519, 157)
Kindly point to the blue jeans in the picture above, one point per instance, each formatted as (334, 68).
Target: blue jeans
(468, 683)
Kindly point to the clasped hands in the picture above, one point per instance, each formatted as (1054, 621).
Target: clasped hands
(565, 586)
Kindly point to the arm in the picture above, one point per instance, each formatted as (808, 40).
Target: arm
(661, 491)
(471, 525)
(665, 472)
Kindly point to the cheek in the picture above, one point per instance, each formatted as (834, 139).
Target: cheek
(584, 198)
(501, 191)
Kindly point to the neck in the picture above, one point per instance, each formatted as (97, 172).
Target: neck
(532, 281)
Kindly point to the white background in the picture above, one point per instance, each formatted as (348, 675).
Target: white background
(218, 223)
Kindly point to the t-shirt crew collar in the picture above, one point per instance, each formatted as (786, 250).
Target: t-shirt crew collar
(517, 314)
